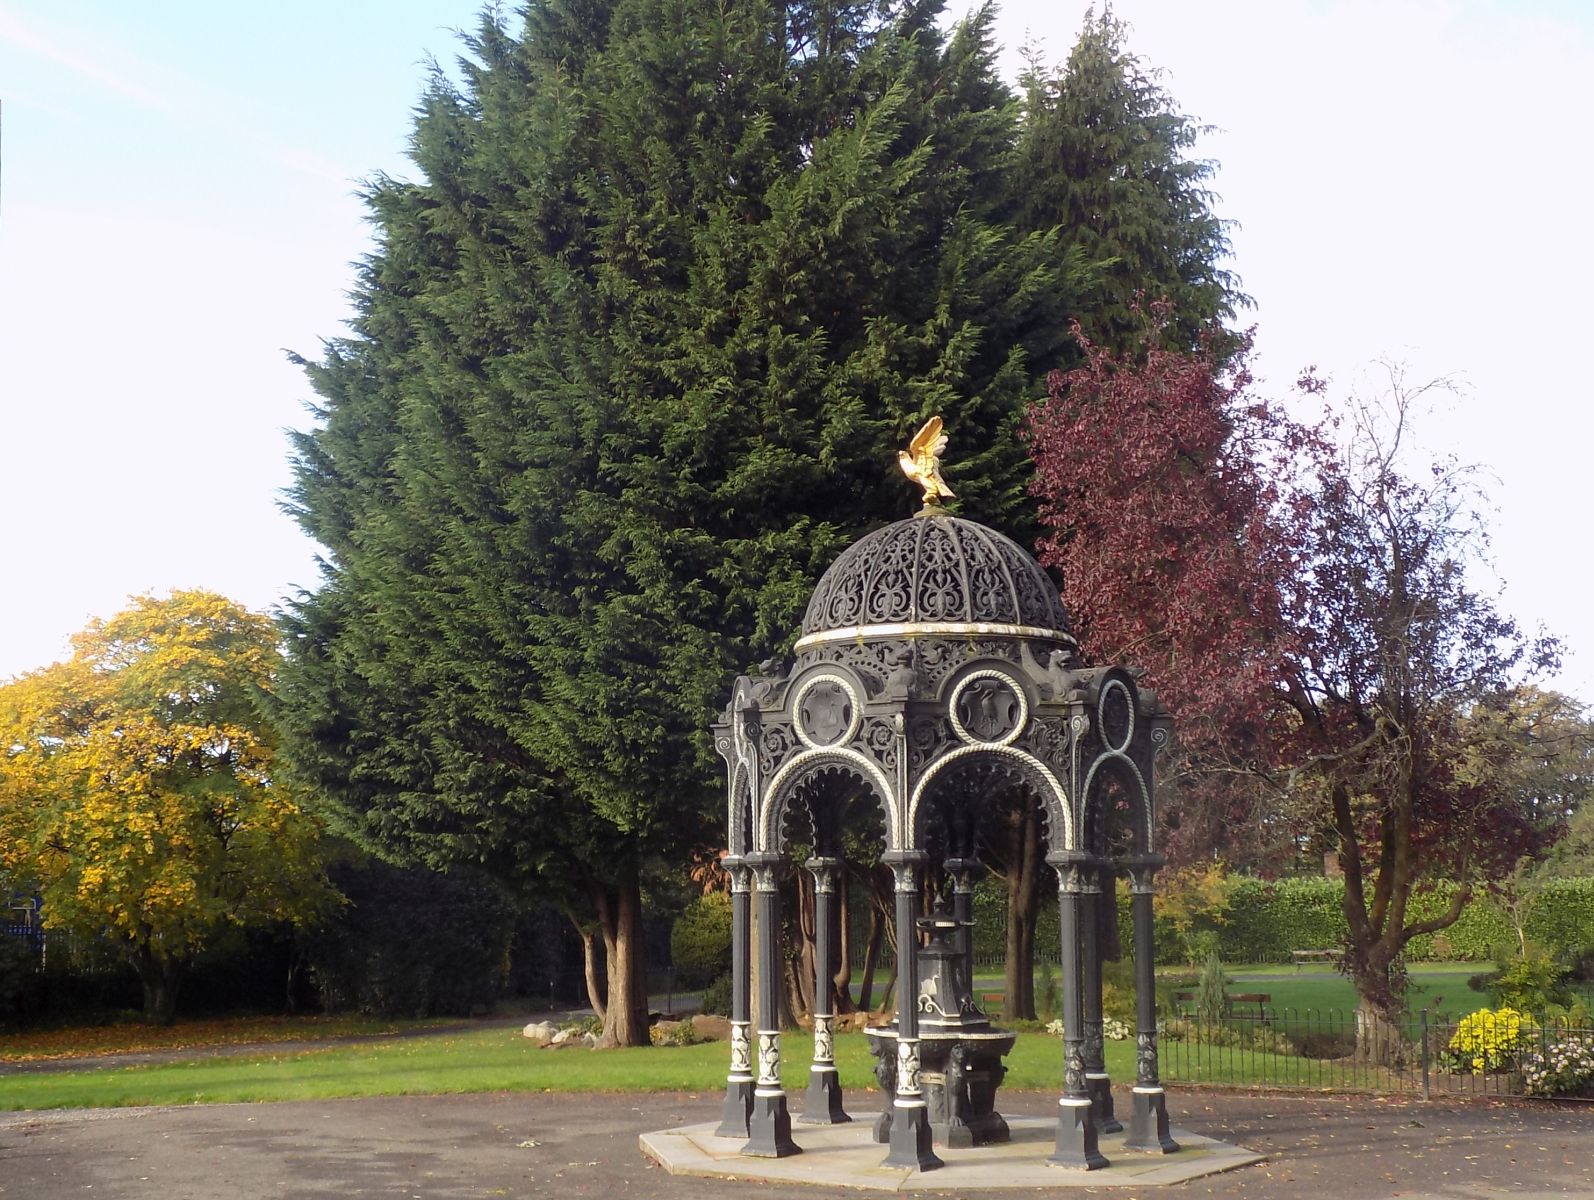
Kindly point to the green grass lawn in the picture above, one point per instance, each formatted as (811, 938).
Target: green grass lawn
(1435, 986)
(131, 1035)
(500, 1059)
(493, 1060)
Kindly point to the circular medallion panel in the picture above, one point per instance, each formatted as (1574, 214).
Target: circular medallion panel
(1115, 715)
(988, 708)
(826, 711)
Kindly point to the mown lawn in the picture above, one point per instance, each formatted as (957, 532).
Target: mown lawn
(482, 1060)
(133, 1036)
(1435, 986)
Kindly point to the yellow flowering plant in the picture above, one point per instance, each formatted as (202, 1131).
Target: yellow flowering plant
(1491, 1040)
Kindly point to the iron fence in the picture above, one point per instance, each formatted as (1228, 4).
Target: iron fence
(1486, 1053)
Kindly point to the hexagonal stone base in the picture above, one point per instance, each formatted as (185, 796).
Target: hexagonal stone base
(847, 1156)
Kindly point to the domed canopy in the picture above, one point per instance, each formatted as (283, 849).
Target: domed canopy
(933, 574)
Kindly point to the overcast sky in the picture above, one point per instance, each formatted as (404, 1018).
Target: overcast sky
(1409, 178)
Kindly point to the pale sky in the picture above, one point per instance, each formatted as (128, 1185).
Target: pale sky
(1411, 179)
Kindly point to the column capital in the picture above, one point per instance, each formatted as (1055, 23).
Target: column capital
(906, 858)
(904, 866)
(1141, 868)
(762, 863)
(963, 871)
(1076, 870)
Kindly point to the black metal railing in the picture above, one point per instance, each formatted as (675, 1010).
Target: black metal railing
(1485, 1053)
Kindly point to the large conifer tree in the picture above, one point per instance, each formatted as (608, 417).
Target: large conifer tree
(1105, 154)
(629, 366)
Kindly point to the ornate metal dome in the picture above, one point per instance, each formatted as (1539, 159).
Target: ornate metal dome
(933, 574)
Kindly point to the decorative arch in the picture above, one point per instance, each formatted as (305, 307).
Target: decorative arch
(800, 768)
(1049, 789)
(1128, 773)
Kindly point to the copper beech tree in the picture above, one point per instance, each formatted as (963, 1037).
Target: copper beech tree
(1300, 597)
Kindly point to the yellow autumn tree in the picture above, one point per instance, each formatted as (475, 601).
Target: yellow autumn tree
(137, 793)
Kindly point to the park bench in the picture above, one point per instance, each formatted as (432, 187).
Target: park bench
(1306, 956)
(992, 999)
(1186, 1000)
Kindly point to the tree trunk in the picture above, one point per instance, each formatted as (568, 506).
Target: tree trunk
(591, 964)
(871, 957)
(1379, 1040)
(841, 982)
(160, 979)
(625, 1016)
(1023, 878)
(592, 971)
(802, 967)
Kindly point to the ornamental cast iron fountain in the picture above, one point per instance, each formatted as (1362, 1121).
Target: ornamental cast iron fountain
(934, 672)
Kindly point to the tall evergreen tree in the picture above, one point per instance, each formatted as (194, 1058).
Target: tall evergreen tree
(628, 368)
(1105, 153)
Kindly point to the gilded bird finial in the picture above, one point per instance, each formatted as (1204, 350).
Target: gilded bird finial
(921, 462)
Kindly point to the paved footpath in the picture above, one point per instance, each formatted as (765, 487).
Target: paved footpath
(540, 1144)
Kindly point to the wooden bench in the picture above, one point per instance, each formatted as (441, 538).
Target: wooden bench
(1230, 999)
(990, 999)
(1323, 956)
(1260, 999)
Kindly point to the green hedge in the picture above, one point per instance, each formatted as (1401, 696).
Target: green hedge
(1268, 920)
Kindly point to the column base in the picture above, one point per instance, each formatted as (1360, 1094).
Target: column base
(769, 1127)
(1076, 1137)
(738, 1107)
(1099, 1086)
(822, 1104)
(1148, 1123)
(910, 1139)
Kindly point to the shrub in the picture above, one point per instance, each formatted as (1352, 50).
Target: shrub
(1490, 1040)
(700, 940)
(717, 996)
(674, 1033)
(1211, 992)
(1531, 982)
(1563, 1068)
(1046, 993)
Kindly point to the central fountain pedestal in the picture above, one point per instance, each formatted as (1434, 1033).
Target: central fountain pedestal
(960, 1051)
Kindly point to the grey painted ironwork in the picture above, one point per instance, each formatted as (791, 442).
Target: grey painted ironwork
(1097, 1081)
(935, 669)
(1148, 1120)
(960, 1051)
(769, 1123)
(738, 1105)
(822, 1105)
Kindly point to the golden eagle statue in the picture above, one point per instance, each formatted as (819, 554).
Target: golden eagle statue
(921, 461)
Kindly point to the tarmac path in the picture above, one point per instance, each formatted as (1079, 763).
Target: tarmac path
(558, 1145)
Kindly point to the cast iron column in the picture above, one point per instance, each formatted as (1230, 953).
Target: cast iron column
(1148, 1123)
(769, 1124)
(822, 1106)
(910, 1116)
(739, 1083)
(1076, 1130)
(1097, 1081)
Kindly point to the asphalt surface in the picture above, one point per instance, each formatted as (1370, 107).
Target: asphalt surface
(542, 1144)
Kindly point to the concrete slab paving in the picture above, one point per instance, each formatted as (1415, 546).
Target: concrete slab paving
(847, 1156)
